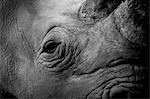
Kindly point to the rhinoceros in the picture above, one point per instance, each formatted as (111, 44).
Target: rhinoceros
(80, 49)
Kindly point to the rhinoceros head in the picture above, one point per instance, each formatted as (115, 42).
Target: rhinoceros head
(74, 49)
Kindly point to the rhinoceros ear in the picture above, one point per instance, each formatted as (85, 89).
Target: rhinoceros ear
(92, 11)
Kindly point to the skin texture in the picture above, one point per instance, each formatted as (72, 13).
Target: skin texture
(73, 49)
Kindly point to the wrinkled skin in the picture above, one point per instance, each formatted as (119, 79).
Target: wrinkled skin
(73, 49)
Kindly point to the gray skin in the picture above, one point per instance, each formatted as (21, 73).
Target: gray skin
(73, 49)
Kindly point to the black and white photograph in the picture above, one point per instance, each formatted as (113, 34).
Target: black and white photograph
(74, 49)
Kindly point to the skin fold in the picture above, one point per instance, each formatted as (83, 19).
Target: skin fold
(80, 49)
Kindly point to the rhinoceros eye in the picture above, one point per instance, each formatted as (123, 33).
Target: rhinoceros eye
(50, 46)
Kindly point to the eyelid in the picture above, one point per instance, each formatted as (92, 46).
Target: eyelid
(55, 33)
(49, 29)
(47, 37)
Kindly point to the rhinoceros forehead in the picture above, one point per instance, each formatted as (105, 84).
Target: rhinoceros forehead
(53, 7)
